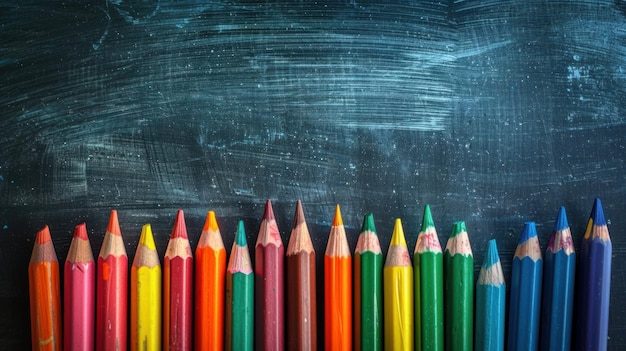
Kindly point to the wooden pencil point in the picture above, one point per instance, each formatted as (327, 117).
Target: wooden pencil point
(268, 214)
(240, 236)
(597, 214)
(114, 224)
(300, 240)
(427, 222)
(211, 222)
(397, 238)
(368, 224)
(337, 221)
(180, 229)
(80, 232)
(298, 218)
(146, 238)
(43, 235)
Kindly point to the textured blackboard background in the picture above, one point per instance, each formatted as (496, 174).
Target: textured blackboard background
(494, 112)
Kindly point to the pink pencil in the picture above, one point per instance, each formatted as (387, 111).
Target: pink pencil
(79, 293)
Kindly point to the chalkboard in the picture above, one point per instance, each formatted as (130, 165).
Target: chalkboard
(493, 112)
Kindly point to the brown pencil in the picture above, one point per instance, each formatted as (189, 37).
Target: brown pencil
(301, 290)
(45, 294)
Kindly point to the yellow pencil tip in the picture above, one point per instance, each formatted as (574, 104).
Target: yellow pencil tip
(146, 238)
(338, 220)
(397, 238)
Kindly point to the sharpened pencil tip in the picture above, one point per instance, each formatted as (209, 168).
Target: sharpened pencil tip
(458, 228)
(397, 238)
(114, 224)
(268, 214)
(211, 222)
(530, 231)
(240, 237)
(43, 235)
(337, 221)
(427, 222)
(491, 256)
(146, 238)
(561, 220)
(368, 224)
(298, 218)
(597, 214)
(179, 230)
(80, 232)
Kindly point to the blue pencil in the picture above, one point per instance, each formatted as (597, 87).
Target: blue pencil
(558, 288)
(490, 298)
(594, 283)
(525, 292)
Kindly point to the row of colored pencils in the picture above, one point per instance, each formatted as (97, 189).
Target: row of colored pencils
(398, 305)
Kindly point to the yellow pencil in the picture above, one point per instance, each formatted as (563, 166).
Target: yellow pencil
(398, 294)
(145, 295)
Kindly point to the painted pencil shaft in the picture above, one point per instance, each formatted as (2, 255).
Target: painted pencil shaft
(79, 295)
(45, 294)
(209, 287)
(558, 288)
(145, 295)
(594, 285)
(398, 294)
(490, 303)
(368, 289)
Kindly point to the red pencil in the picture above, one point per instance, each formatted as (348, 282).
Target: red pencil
(45, 294)
(79, 296)
(178, 289)
(269, 285)
(112, 290)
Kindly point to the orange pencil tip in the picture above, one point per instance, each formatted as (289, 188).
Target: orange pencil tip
(80, 231)
(43, 236)
(211, 222)
(269, 212)
(114, 224)
(338, 220)
(179, 230)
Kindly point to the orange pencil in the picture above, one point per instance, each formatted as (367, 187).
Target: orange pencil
(112, 290)
(177, 289)
(45, 294)
(210, 278)
(338, 289)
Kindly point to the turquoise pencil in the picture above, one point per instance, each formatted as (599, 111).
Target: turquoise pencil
(490, 302)
(525, 298)
(558, 288)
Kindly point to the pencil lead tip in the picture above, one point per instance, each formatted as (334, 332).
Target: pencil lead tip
(80, 232)
(597, 213)
(179, 230)
(240, 236)
(337, 221)
(530, 231)
(43, 235)
(146, 238)
(458, 228)
(427, 222)
(114, 224)
(268, 214)
(299, 216)
(491, 256)
(397, 238)
(368, 224)
(211, 222)
(561, 220)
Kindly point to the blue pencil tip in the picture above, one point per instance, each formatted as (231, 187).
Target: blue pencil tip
(529, 231)
(561, 220)
(491, 255)
(597, 214)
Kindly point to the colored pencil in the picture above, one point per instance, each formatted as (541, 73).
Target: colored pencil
(209, 285)
(490, 302)
(45, 294)
(79, 297)
(368, 289)
(337, 288)
(458, 265)
(594, 284)
(301, 287)
(269, 257)
(428, 271)
(178, 289)
(145, 295)
(525, 299)
(398, 294)
(112, 290)
(558, 288)
(239, 321)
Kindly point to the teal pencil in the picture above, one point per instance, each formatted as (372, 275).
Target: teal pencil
(490, 302)
(525, 292)
(558, 288)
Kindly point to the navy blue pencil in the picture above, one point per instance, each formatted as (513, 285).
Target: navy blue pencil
(525, 300)
(594, 283)
(490, 302)
(558, 288)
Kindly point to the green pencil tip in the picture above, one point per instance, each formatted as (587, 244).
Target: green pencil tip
(240, 237)
(368, 223)
(458, 228)
(427, 222)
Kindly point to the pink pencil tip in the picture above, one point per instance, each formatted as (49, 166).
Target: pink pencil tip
(179, 230)
(114, 224)
(43, 236)
(269, 212)
(80, 232)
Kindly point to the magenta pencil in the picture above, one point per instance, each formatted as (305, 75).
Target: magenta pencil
(79, 296)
